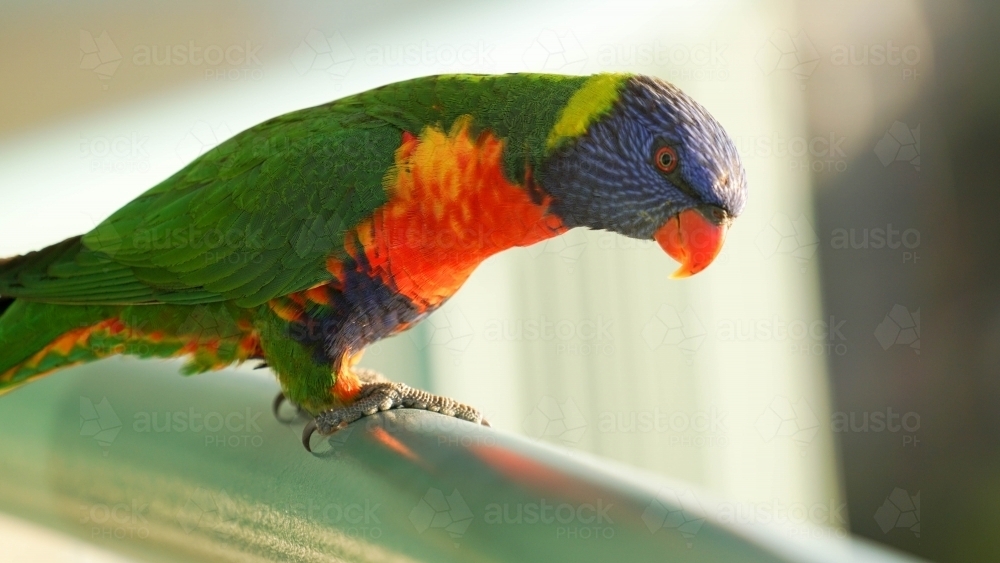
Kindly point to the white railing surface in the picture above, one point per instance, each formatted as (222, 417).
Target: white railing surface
(158, 467)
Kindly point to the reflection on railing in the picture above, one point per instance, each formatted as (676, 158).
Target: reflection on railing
(132, 457)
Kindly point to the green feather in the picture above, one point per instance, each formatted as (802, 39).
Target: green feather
(258, 216)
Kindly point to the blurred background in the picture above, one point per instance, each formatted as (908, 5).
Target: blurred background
(793, 377)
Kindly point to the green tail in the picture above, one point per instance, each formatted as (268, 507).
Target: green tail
(37, 338)
(28, 328)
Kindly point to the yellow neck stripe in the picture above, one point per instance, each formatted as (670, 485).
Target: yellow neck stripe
(590, 102)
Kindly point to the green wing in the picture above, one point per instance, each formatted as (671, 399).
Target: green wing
(252, 219)
(256, 217)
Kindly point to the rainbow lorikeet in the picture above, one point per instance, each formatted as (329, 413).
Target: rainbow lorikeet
(308, 237)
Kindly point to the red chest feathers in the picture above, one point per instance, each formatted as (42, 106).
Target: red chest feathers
(450, 208)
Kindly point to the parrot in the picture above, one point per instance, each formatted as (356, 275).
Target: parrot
(302, 240)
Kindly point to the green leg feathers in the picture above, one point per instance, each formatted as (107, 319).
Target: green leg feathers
(305, 379)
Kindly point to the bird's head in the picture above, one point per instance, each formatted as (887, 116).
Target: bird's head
(635, 155)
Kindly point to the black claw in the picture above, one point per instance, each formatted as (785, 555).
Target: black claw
(307, 433)
(262, 365)
(279, 400)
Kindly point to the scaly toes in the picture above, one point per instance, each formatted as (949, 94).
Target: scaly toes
(325, 424)
(383, 396)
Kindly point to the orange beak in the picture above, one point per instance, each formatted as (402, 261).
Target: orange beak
(693, 239)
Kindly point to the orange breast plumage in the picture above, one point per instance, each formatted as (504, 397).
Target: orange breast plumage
(451, 207)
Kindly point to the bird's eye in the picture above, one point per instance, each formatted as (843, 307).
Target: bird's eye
(666, 159)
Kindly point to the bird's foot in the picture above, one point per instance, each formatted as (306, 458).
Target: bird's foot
(279, 401)
(382, 396)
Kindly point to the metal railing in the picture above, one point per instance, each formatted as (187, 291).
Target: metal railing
(136, 459)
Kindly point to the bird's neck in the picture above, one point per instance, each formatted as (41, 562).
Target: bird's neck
(451, 206)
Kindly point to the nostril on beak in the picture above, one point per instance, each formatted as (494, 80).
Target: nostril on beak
(715, 214)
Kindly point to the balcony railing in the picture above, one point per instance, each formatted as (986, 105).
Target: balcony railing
(158, 467)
